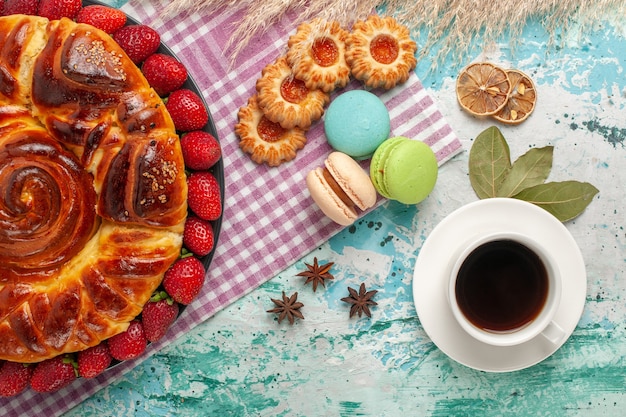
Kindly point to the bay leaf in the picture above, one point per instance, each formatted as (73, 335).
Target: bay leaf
(528, 170)
(489, 162)
(565, 200)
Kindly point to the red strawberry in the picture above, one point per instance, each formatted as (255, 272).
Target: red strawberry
(187, 110)
(200, 150)
(20, 7)
(129, 344)
(14, 378)
(198, 236)
(203, 195)
(104, 18)
(164, 73)
(184, 280)
(53, 374)
(56, 9)
(94, 360)
(158, 315)
(138, 41)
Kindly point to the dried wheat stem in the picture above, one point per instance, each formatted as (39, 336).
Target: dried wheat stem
(451, 26)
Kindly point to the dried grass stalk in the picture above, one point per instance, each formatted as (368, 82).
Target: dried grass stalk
(452, 26)
(455, 25)
(259, 15)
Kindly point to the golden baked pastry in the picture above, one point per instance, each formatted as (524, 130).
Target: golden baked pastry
(380, 52)
(316, 55)
(286, 100)
(93, 188)
(266, 141)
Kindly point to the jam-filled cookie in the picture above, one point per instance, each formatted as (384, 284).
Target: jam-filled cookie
(317, 55)
(380, 52)
(286, 100)
(266, 141)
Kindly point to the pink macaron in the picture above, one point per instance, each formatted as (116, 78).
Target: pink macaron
(341, 188)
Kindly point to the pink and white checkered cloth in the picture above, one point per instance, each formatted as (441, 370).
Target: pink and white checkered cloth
(269, 220)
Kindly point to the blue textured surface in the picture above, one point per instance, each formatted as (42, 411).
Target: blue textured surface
(242, 362)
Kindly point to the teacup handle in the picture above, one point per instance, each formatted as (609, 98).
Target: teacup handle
(553, 333)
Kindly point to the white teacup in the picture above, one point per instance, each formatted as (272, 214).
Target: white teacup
(505, 290)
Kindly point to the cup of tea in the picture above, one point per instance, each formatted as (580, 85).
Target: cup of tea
(505, 290)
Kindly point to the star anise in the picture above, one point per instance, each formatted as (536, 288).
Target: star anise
(317, 274)
(287, 307)
(360, 301)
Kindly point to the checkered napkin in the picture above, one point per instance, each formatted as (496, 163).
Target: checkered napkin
(269, 219)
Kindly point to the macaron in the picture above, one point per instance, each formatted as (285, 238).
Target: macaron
(341, 188)
(403, 169)
(356, 123)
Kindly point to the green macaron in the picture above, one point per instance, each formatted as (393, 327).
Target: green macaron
(403, 169)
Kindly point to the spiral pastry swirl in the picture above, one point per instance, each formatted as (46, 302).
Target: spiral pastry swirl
(47, 212)
(93, 194)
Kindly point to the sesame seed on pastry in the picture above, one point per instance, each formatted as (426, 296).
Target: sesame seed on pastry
(94, 194)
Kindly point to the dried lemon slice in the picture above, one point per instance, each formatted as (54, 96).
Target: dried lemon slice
(483, 88)
(522, 99)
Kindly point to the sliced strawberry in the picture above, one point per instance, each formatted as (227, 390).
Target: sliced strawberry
(164, 73)
(104, 18)
(187, 110)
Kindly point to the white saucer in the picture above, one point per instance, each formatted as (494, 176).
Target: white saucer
(434, 264)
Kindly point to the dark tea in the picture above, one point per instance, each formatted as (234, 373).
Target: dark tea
(501, 286)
